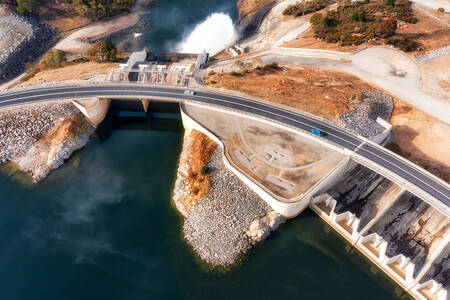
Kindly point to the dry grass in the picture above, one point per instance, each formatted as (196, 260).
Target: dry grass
(200, 153)
(319, 91)
(70, 72)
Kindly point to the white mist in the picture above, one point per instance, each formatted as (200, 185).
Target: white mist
(212, 35)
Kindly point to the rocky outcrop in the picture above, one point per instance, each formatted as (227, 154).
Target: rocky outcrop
(55, 147)
(39, 137)
(22, 126)
(261, 228)
(22, 39)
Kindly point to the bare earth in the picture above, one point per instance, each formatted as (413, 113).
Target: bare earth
(309, 89)
(435, 77)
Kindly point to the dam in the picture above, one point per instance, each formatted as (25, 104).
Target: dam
(394, 229)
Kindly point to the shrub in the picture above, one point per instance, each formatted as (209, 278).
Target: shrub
(316, 18)
(104, 51)
(234, 73)
(441, 9)
(403, 43)
(97, 9)
(307, 7)
(205, 170)
(53, 59)
(25, 6)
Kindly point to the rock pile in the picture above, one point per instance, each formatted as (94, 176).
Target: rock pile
(21, 127)
(216, 227)
(363, 119)
(22, 39)
(445, 51)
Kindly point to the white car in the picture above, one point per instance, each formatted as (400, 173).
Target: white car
(189, 93)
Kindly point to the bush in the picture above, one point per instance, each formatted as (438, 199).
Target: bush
(205, 170)
(316, 18)
(53, 59)
(441, 10)
(104, 51)
(300, 8)
(97, 9)
(25, 6)
(403, 43)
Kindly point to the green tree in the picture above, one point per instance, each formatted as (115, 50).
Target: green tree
(53, 59)
(103, 51)
(362, 16)
(316, 18)
(25, 6)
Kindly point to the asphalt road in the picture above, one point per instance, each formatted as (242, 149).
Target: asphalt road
(382, 157)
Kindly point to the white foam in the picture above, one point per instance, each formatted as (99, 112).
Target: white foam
(212, 35)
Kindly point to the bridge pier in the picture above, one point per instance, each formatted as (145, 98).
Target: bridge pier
(94, 109)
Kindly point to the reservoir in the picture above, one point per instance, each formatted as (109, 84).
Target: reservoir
(103, 227)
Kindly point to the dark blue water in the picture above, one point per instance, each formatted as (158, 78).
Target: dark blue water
(172, 20)
(103, 227)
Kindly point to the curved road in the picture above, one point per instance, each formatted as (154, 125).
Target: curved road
(336, 135)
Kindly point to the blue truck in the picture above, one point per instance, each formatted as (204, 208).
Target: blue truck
(318, 132)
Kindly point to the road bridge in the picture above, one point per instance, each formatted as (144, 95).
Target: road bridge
(431, 189)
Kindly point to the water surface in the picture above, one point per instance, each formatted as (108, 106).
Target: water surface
(103, 227)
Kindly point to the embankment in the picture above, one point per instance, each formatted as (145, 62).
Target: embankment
(22, 39)
(223, 224)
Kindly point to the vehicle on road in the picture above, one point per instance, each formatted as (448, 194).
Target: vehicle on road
(189, 93)
(318, 132)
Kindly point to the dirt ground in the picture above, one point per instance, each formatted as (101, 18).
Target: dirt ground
(72, 72)
(417, 136)
(421, 139)
(429, 32)
(60, 15)
(309, 89)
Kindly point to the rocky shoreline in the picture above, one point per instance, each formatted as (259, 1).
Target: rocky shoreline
(229, 220)
(40, 137)
(25, 40)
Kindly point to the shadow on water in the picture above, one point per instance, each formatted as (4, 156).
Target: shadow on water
(130, 115)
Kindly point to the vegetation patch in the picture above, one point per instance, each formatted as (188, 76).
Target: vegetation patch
(302, 8)
(357, 22)
(403, 43)
(104, 51)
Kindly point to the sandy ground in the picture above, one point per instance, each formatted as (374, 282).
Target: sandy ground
(435, 77)
(74, 73)
(418, 136)
(78, 42)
